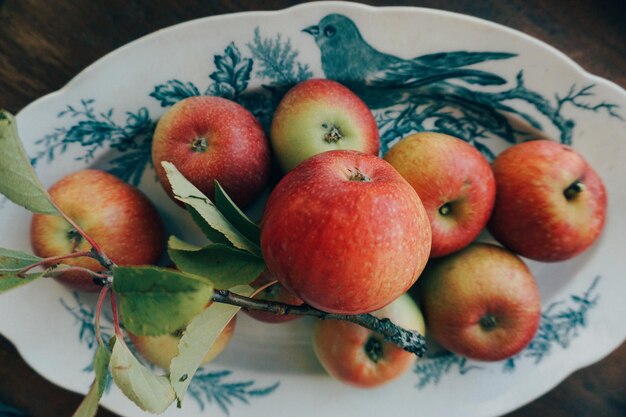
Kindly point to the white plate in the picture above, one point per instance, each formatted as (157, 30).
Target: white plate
(104, 117)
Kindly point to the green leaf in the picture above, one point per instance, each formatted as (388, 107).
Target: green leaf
(9, 281)
(150, 392)
(198, 338)
(18, 181)
(187, 193)
(155, 301)
(223, 265)
(212, 234)
(11, 262)
(235, 216)
(89, 406)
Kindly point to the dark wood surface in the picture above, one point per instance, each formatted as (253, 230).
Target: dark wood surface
(43, 44)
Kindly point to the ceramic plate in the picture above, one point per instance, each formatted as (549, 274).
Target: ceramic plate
(487, 84)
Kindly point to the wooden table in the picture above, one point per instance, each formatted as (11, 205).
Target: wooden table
(43, 44)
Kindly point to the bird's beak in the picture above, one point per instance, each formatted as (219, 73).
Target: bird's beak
(312, 30)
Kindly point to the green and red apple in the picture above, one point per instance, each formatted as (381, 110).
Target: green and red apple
(116, 215)
(550, 203)
(361, 357)
(345, 232)
(212, 139)
(481, 302)
(319, 115)
(455, 183)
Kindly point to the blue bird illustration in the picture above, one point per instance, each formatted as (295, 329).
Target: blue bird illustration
(437, 81)
(349, 59)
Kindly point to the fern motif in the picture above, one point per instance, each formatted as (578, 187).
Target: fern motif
(210, 387)
(95, 131)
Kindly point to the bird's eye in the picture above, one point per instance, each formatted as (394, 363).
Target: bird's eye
(329, 31)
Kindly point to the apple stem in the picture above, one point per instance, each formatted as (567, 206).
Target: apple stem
(445, 209)
(332, 134)
(54, 259)
(409, 340)
(488, 322)
(574, 189)
(374, 349)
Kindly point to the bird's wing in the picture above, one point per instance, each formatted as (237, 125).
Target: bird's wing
(458, 59)
(408, 74)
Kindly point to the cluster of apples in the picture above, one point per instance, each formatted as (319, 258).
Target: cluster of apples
(348, 232)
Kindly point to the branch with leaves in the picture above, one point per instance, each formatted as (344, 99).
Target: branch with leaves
(152, 301)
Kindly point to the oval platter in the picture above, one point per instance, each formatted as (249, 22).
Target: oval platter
(106, 115)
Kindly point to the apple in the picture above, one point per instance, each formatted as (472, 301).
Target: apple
(211, 138)
(481, 302)
(160, 350)
(274, 292)
(345, 232)
(361, 357)
(455, 183)
(116, 215)
(550, 203)
(320, 115)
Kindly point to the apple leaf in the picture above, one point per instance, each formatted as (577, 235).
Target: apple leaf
(19, 181)
(198, 338)
(212, 234)
(150, 392)
(8, 281)
(225, 266)
(89, 406)
(11, 262)
(235, 216)
(188, 193)
(155, 301)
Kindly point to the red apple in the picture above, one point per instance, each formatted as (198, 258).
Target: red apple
(212, 138)
(481, 302)
(275, 292)
(116, 215)
(160, 350)
(345, 232)
(319, 115)
(361, 357)
(550, 203)
(454, 182)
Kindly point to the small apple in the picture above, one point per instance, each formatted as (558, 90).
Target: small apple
(481, 302)
(274, 292)
(361, 357)
(319, 115)
(116, 215)
(160, 350)
(550, 203)
(455, 183)
(345, 232)
(211, 138)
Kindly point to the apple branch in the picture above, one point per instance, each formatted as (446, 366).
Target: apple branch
(409, 340)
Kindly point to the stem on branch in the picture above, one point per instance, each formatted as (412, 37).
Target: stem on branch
(409, 340)
(54, 259)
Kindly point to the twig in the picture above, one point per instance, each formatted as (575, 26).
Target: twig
(409, 340)
(54, 259)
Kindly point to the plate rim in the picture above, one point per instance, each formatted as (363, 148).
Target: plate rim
(334, 5)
